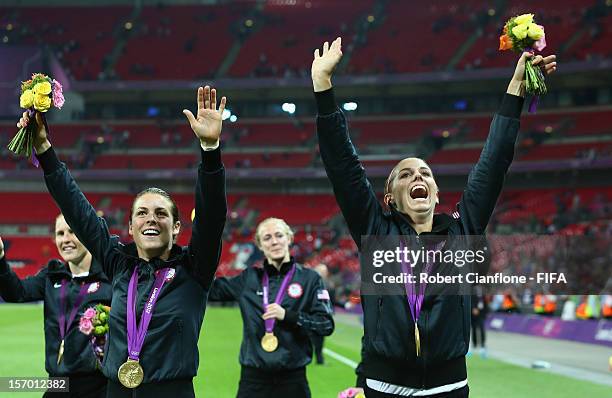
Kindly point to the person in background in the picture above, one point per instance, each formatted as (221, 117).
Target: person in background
(317, 339)
(480, 310)
(282, 305)
(67, 289)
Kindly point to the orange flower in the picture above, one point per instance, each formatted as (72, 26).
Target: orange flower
(505, 43)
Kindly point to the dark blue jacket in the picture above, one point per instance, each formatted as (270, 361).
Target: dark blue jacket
(79, 357)
(170, 349)
(388, 352)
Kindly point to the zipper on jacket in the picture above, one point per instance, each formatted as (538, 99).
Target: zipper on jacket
(378, 319)
(463, 320)
(423, 345)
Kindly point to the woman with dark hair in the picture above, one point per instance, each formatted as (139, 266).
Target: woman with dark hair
(67, 288)
(281, 303)
(159, 288)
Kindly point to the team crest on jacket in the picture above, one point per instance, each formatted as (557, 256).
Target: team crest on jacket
(295, 290)
(93, 287)
(170, 275)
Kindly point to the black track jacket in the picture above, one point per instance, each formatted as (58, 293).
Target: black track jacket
(170, 349)
(307, 306)
(79, 357)
(388, 352)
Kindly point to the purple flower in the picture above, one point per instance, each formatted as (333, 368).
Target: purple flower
(541, 43)
(90, 313)
(348, 393)
(58, 94)
(85, 326)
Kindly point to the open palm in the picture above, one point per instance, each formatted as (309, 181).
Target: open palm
(324, 63)
(207, 124)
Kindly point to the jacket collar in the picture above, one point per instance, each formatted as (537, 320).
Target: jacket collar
(130, 251)
(61, 270)
(285, 267)
(440, 226)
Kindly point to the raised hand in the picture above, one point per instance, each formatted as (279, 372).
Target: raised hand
(323, 65)
(517, 84)
(41, 143)
(207, 124)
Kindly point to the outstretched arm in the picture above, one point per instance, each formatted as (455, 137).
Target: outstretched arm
(80, 215)
(227, 289)
(487, 177)
(352, 189)
(15, 290)
(210, 197)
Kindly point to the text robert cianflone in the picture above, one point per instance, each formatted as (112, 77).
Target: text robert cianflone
(422, 255)
(470, 278)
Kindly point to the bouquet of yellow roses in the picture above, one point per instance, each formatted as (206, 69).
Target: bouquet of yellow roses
(37, 95)
(521, 34)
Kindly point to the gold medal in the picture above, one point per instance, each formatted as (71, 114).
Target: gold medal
(60, 354)
(417, 339)
(269, 342)
(130, 374)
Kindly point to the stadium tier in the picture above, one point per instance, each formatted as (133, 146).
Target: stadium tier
(297, 209)
(595, 41)
(435, 22)
(79, 37)
(553, 134)
(561, 23)
(283, 39)
(277, 134)
(304, 212)
(186, 55)
(416, 79)
(278, 39)
(188, 161)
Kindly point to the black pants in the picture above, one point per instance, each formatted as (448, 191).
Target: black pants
(317, 342)
(463, 392)
(182, 388)
(255, 383)
(478, 330)
(82, 386)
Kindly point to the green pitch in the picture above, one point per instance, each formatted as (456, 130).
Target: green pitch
(21, 354)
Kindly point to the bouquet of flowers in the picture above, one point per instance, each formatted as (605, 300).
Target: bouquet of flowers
(94, 323)
(521, 34)
(351, 392)
(37, 95)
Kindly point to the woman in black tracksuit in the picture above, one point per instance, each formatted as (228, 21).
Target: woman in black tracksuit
(69, 287)
(404, 354)
(165, 284)
(302, 306)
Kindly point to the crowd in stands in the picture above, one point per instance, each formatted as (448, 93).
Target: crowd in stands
(118, 45)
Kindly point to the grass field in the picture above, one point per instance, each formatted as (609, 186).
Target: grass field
(22, 346)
